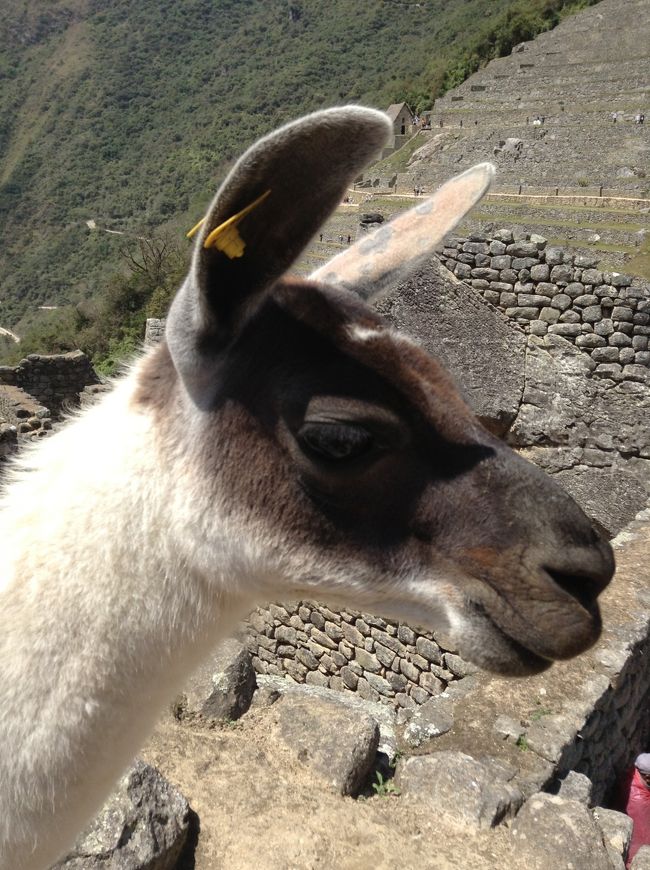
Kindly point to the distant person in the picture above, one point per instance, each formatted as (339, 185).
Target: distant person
(614, 117)
(634, 800)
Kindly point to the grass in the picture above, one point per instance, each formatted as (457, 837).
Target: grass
(398, 160)
(384, 787)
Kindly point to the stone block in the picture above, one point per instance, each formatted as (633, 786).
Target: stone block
(501, 262)
(476, 248)
(626, 356)
(619, 339)
(144, 824)
(569, 316)
(352, 634)
(462, 271)
(549, 315)
(405, 634)
(554, 256)
(523, 313)
(409, 670)
(605, 327)
(508, 276)
(616, 829)
(384, 655)
(458, 787)
(592, 276)
(619, 280)
(368, 661)
(592, 313)
(567, 330)
(590, 341)
(523, 249)
(622, 313)
(585, 300)
(486, 273)
(497, 248)
(561, 301)
(336, 743)
(540, 272)
(307, 658)
(322, 639)
(561, 274)
(491, 296)
(549, 828)
(642, 357)
(528, 299)
(223, 687)
(429, 650)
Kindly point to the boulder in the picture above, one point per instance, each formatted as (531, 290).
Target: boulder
(616, 829)
(553, 832)
(337, 743)
(431, 719)
(222, 688)
(144, 825)
(457, 786)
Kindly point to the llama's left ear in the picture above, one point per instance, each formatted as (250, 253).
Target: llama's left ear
(382, 259)
(264, 214)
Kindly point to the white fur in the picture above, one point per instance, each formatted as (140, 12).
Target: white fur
(101, 616)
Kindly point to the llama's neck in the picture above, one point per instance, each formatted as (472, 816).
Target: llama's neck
(100, 619)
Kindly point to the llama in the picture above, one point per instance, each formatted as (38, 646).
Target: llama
(283, 442)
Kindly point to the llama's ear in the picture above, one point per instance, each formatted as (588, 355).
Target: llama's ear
(390, 254)
(264, 214)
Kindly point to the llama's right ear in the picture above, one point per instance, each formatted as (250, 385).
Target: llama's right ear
(265, 213)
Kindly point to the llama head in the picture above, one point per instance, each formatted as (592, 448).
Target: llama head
(337, 453)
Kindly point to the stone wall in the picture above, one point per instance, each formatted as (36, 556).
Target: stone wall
(54, 381)
(378, 659)
(550, 290)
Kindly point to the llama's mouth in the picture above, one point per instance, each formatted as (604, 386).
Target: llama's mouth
(486, 644)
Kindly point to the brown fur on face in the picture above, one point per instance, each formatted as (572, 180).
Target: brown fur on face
(437, 495)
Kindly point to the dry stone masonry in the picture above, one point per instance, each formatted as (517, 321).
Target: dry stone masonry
(54, 381)
(550, 290)
(352, 652)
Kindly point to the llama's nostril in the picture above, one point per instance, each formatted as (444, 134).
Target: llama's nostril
(584, 588)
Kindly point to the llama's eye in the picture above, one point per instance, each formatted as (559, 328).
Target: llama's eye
(335, 440)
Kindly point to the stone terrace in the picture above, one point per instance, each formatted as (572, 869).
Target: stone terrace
(575, 76)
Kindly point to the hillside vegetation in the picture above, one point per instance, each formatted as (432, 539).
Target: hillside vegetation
(128, 113)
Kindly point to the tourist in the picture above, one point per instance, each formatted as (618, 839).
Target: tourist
(634, 800)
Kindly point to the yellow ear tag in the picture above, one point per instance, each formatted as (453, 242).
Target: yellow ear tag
(226, 236)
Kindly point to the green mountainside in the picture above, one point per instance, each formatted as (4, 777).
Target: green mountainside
(127, 114)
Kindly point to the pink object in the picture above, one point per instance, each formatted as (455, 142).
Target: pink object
(635, 801)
